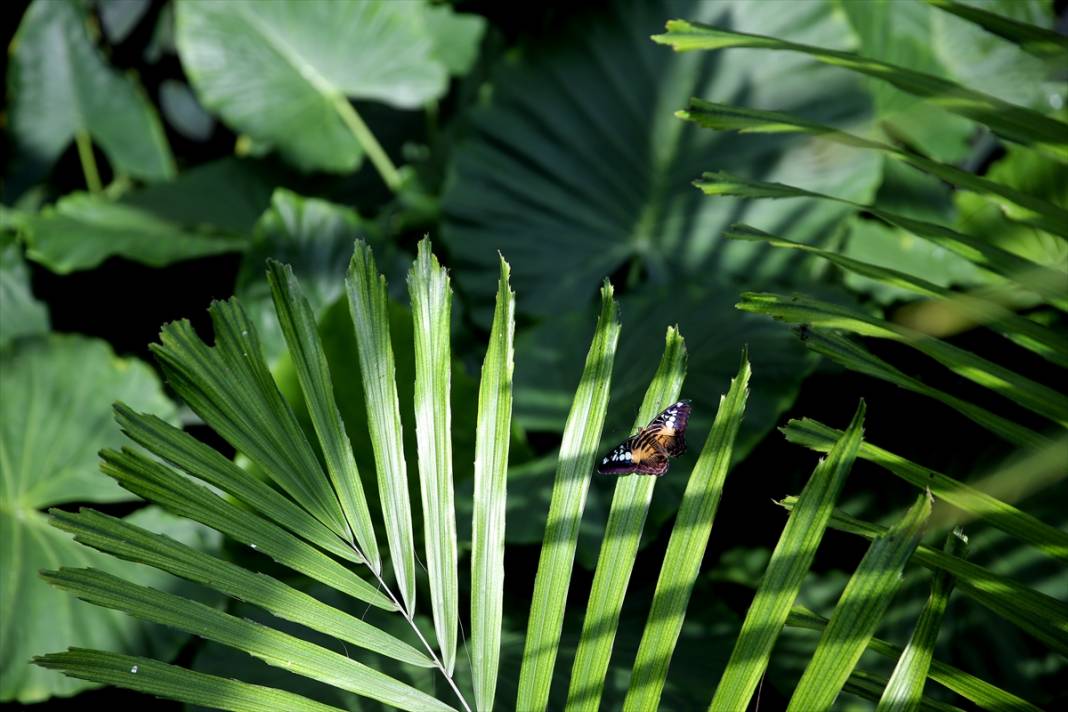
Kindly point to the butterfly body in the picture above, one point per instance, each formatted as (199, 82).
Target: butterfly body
(648, 451)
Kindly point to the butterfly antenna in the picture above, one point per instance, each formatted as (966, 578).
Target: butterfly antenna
(760, 688)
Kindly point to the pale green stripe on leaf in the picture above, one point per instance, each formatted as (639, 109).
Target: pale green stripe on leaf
(491, 477)
(1004, 516)
(273, 647)
(904, 690)
(178, 494)
(205, 463)
(368, 304)
(860, 608)
(619, 544)
(300, 328)
(578, 451)
(800, 309)
(1039, 41)
(431, 295)
(132, 543)
(175, 683)
(870, 686)
(686, 549)
(1009, 120)
(785, 572)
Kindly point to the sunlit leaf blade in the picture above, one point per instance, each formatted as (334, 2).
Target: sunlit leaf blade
(1044, 617)
(230, 387)
(862, 605)
(491, 475)
(904, 690)
(133, 543)
(1037, 40)
(686, 549)
(619, 544)
(578, 450)
(1008, 120)
(786, 570)
(273, 647)
(967, 686)
(869, 686)
(1044, 280)
(180, 495)
(370, 317)
(299, 326)
(799, 309)
(175, 683)
(20, 313)
(431, 295)
(726, 117)
(972, 307)
(203, 462)
(1002, 515)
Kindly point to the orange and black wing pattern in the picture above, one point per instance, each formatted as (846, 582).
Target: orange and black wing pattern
(647, 452)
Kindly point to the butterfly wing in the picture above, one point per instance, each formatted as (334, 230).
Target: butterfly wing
(620, 461)
(640, 453)
(669, 428)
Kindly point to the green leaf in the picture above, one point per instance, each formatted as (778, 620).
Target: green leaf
(491, 479)
(595, 168)
(274, 647)
(574, 468)
(789, 563)
(61, 86)
(1036, 40)
(368, 306)
(686, 548)
(298, 323)
(1012, 122)
(178, 494)
(133, 543)
(205, 463)
(229, 386)
(824, 315)
(431, 295)
(21, 314)
(860, 609)
(456, 37)
(869, 686)
(904, 690)
(174, 683)
(1002, 515)
(619, 546)
(271, 71)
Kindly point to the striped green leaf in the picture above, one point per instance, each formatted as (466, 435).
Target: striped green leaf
(799, 309)
(133, 543)
(230, 387)
(1008, 120)
(180, 495)
(203, 462)
(1049, 282)
(491, 477)
(786, 570)
(905, 689)
(619, 544)
(725, 117)
(175, 683)
(866, 597)
(273, 647)
(578, 450)
(686, 549)
(967, 686)
(973, 308)
(431, 296)
(1004, 516)
(870, 686)
(300, 329)
(368, 305)
(1036, 40)
(1044, 617)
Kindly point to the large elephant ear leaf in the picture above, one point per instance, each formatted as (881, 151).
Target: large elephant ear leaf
(576, 167)
(283, 71)
(62, 88)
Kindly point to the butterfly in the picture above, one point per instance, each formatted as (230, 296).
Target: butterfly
(647, 452)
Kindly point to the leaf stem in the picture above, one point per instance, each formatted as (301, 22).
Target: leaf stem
(368, 142)
(88, 161)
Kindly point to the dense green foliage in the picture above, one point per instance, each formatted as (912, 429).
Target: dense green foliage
(367, 477)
